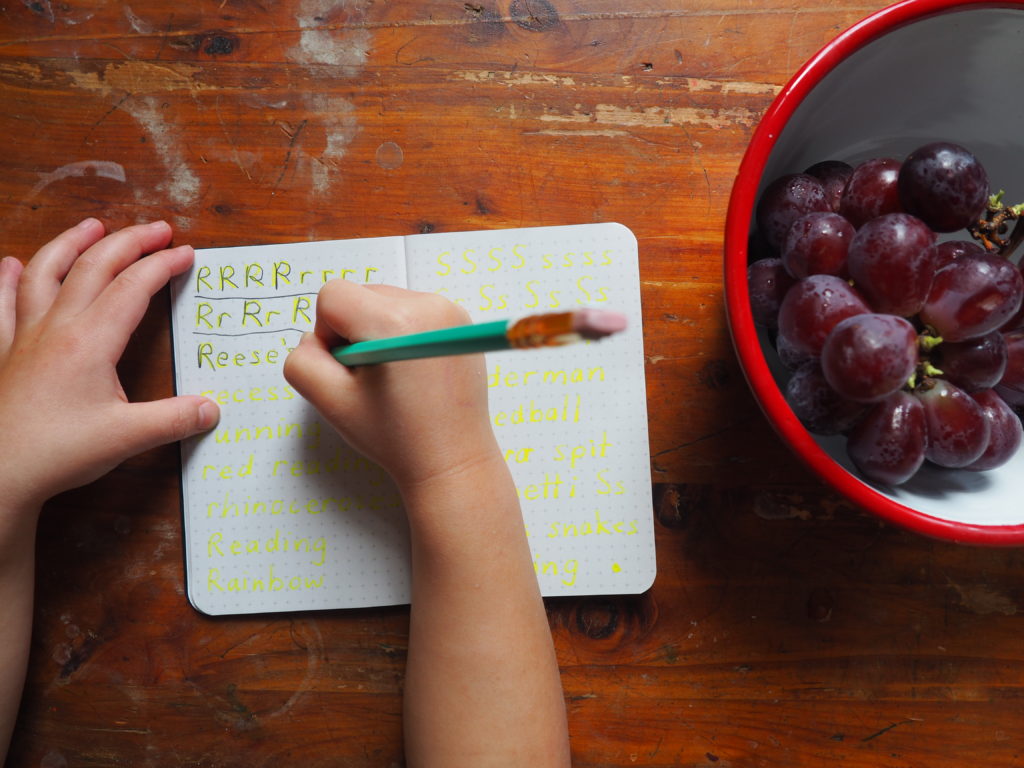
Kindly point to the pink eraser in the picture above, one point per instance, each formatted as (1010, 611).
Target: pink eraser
(597, 323)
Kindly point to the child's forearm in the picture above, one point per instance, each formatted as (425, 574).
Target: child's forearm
(17, 575)
(482, 685)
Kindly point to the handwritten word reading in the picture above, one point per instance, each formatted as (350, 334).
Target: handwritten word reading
(272, 583)
(276, 275)
(216, 546)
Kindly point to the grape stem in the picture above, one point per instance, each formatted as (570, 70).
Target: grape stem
(990, 229)
(926, 342)
(923, 377)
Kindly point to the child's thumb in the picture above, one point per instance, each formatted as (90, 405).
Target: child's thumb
(174, 418)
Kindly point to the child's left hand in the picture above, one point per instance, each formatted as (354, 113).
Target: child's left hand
(65, 320)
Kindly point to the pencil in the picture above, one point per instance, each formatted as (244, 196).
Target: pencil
(531, 332)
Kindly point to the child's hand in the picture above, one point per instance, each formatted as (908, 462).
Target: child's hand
(418, 419)
(65, 320)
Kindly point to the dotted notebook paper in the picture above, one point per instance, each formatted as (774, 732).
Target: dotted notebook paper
(281, 515)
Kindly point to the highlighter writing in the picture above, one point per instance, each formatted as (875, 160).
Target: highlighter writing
(281, 515)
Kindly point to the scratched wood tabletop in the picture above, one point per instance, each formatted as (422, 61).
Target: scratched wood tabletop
(785, 628)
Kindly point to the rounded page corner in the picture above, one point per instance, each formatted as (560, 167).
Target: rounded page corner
(198, 605)
(623, 230)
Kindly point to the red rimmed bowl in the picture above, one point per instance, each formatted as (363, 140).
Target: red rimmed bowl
(915, 72)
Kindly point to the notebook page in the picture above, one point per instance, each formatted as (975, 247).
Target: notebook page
(572, 420)
(279, 514)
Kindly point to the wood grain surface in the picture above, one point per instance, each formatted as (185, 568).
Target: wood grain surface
(785, 628)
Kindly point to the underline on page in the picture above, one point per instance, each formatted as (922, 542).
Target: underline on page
(247, 333)
(255, 298)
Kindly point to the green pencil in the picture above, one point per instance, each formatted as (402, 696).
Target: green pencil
(531, 332)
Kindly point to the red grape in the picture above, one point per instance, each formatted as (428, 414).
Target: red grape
(768, 283)
(945, 185)
(1011, 386)
(868, 357)
(833, 175)
(888, 444)
(819, 407)
(970, 297)
(957, 428)
(816, 244)
(871, 191)
(952, 250)
(790, 356)
(973, 364)
(784, 201)
(891, 261)
(1006, 431)
(813, 307)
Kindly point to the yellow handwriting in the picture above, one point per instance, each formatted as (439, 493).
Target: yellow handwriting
(249, 395)
(278, 274)
(608, 487)
(230, 507)
(227, 471)
(217, 546)
(552, 487)
(210, 357)
(569, 411)
(280, 431)
(254, 314)
(550, 568)
(599, 526)
(574, 453)
(271, 583)
(565, 377)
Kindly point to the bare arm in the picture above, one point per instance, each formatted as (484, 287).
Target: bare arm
(482, 684)
(64, 321)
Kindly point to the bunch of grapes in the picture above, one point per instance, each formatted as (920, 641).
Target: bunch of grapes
(911, 347)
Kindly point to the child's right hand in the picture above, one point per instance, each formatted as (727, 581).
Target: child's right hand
(419, 419)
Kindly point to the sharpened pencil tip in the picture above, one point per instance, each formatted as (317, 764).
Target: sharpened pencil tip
(597, 323)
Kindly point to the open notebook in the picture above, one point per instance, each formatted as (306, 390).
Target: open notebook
(280, 515)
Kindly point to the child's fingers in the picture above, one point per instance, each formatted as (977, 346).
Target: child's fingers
(10, 274)
(356, 312)
(42, 278)
(349, 311)
(315, 374)
(159, 422)
(103, 262)
(119, 309)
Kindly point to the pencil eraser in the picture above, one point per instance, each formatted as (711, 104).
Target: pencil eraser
(597, 323)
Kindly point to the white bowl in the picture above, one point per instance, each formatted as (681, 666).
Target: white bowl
(915, 72)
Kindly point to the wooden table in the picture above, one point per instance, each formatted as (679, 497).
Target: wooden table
(784, 629)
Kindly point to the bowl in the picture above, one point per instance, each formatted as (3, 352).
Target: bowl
(915, 72)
